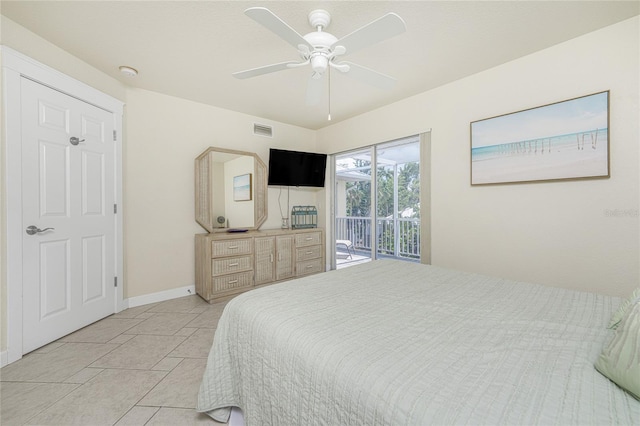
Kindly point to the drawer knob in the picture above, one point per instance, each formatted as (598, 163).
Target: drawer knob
(233, 264)
(233, 281)
(233, 247)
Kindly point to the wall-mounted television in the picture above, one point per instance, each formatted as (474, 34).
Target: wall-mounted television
(294, 168)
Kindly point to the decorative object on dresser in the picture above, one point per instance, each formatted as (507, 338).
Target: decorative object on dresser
(304, 217)
(228, 263)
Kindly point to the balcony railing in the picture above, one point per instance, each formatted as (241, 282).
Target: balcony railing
(399, 237)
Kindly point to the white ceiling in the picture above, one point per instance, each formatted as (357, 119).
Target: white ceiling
(190, 48)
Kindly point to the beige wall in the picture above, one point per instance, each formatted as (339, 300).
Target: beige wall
(164, 135)
(562, 233)
(28, 43)
(3, 224)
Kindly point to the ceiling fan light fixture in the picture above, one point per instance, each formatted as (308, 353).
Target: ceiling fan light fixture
(319, 63)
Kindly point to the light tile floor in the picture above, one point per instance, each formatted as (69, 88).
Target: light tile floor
(142, 366)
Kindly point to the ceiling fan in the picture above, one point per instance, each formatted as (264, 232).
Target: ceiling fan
(321, 49)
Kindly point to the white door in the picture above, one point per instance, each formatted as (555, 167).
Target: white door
(68, 185)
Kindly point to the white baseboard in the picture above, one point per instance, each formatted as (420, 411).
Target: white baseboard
(4, 358)
(161, 296)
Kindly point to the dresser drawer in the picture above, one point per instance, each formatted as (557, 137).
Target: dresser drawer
(233, 281)
(306, 253)
(308, 267)
(228, 265)
(231, 247)
(308, 239)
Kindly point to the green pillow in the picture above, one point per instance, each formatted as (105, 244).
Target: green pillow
(622, 309)
(620, 359)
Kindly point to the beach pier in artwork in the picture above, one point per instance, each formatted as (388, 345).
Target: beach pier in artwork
(543, 158)
(592, 135)
(542, 145)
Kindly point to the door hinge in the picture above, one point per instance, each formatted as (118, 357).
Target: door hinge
(115, 281)
(115, 208)
(115, 135)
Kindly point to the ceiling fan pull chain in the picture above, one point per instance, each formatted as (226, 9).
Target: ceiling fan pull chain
(329, 95)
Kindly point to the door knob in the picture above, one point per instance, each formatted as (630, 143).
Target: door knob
(75, 141)
(32, 230)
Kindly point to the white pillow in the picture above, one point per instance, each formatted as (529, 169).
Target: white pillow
(622, 309)
(620, 359)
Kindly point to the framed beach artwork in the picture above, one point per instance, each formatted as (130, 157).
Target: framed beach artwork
(564, 140)
(242, 187)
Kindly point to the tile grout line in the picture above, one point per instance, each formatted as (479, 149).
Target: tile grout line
(196, 311)
(53, 403)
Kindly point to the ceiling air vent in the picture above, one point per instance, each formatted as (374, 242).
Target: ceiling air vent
(262, 130)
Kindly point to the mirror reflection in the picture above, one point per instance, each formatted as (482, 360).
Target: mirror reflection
(229, 190)
(230, 175)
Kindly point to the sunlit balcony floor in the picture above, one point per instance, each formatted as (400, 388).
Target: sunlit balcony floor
(344, 260)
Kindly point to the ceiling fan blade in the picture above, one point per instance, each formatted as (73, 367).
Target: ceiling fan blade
(369, 76)
(314, 91)
(276, 25)
(385, 27)
(254, 72)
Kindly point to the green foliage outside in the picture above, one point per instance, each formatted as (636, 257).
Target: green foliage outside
(359, 193)
(358, 204)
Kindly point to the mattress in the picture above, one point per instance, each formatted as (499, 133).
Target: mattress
(398, 343)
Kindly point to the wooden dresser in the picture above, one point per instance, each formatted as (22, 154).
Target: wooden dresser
(231, 263)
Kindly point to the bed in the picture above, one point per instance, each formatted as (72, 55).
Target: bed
(398, 343)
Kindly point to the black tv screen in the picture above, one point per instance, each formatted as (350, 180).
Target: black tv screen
(293, 168)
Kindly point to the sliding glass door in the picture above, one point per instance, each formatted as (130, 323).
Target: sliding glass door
(398, 199)
(377, 215)
(353, 207)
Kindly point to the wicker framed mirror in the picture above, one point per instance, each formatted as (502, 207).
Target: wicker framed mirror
(220, 175)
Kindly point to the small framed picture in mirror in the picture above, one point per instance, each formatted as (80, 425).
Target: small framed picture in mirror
(242, 187)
